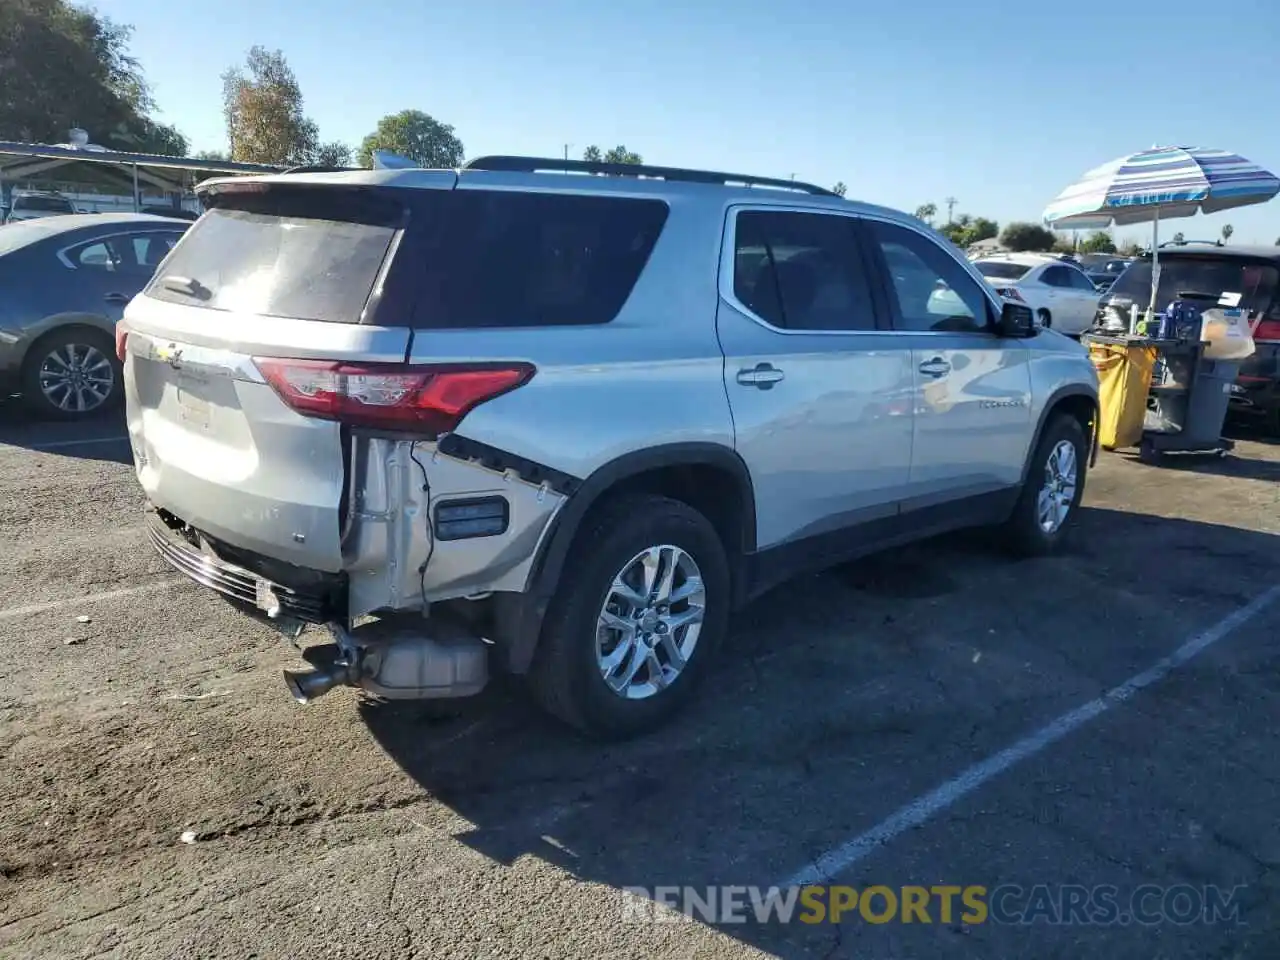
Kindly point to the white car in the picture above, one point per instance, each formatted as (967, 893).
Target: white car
(1061, 294)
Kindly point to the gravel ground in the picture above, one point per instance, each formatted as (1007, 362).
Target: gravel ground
(135, 707)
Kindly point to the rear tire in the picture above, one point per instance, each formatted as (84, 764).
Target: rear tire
(568, 676)
(72, 374)
(1045, 318)
(1039, 523)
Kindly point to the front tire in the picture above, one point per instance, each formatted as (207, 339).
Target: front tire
(72, 374)
(636, 621)
(1050, 499)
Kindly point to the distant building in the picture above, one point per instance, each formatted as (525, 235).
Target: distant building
(984, 248)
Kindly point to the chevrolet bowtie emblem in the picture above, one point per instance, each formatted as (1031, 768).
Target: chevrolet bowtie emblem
(172, 355)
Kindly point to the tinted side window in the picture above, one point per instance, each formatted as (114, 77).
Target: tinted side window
(932, 290)
(1080, 281)
(520, 259)
(98, 255)
(801, 271)
(1056, 277)
(150, 248)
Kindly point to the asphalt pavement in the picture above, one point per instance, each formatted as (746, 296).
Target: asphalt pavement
(1105, 720)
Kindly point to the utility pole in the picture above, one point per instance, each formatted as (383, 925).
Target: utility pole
(951, 205)
(566, 151)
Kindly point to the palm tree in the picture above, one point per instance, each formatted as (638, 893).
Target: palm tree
(1227, 231)
(926, 212)
(1179, 238)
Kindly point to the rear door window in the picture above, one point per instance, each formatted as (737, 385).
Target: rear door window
(307, 254)
(526, 259)
(802, 271)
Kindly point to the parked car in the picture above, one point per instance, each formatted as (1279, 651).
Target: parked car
(65, 281)
(574, 420)
(1060, 294)
(1239, 276)
(33, 204)
(1102, 281)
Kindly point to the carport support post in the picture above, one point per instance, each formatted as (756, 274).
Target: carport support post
(137, 205)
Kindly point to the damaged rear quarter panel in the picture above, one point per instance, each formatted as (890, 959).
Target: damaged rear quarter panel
(387, 538)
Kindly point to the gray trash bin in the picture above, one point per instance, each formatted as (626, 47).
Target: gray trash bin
(1190, 403)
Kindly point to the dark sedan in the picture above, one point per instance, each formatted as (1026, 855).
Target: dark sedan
(64, 282)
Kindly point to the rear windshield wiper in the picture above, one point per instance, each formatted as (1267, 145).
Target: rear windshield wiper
(189, 286)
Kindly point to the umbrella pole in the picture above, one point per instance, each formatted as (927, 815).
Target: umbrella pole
(1155, 264)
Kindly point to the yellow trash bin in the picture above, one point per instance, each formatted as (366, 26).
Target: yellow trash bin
(1124, 380)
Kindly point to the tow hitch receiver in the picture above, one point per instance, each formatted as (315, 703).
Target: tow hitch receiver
(399, 658)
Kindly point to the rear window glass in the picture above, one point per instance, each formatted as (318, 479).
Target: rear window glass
(1235, 283)
(266, 260)
(521, 259)
(43, 204)
(1001, 270)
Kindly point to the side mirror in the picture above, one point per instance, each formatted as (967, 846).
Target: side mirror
(1016, 320)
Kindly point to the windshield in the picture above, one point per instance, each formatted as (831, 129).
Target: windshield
(1001, 269)
(1236, 283)
(42, 204)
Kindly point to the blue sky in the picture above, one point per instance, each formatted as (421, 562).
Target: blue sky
(999, 104)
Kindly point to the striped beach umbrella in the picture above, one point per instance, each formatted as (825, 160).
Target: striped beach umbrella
(1162, 183)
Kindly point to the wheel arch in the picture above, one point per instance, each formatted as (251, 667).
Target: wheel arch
(1076, 401)
(710, 477)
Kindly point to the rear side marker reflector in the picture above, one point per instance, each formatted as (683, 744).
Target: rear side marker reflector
(421, 399)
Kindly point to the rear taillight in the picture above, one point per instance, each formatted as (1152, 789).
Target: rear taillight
(1267, 330)
(122, 343)
(427, 399)
(1010, 293)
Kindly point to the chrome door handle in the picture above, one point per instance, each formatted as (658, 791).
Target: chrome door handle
(936, 367)
(763, 376)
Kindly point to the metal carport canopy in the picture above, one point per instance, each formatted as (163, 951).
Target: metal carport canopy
(19, 161)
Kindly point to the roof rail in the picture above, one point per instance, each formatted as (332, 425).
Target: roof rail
(551, 165)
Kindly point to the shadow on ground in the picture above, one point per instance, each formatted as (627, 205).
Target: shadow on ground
(103, 437)
(787, 723)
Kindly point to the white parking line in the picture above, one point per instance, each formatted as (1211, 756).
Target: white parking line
(915, 813)
(11, 613)
(58, 444)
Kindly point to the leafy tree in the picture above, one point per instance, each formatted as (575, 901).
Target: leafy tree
(1131, 249)
(926, 212)
(1227, 231)
(212, 155)
(416, 136)
(1098, 242)
(967, 230)
(618, 154)
(1027, 236)
(839, 189)
(262, 103)
(335, 154)
(64, 66)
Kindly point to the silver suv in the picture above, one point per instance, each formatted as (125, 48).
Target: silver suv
(560, 418)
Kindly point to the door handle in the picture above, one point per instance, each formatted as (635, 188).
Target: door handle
(117, 298)
(936, 367)
(762, 376)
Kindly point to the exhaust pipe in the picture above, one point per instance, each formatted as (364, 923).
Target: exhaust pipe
(307, 685)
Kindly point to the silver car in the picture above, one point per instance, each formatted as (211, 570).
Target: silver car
(64, 283)
(559, 418)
